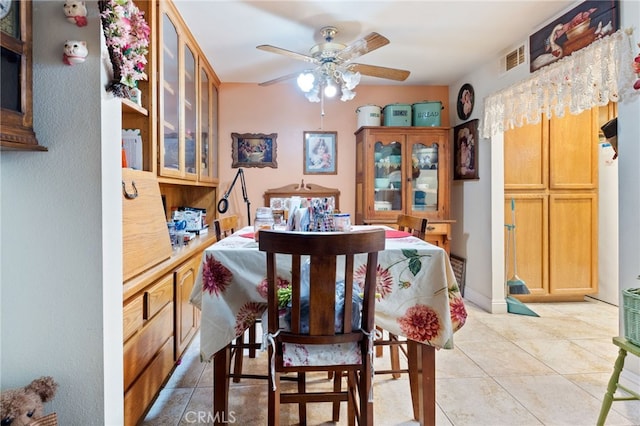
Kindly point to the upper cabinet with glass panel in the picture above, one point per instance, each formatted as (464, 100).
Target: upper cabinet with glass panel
(187, 144)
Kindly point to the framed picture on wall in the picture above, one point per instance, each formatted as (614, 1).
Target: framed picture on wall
(320, 153)
(587, 22)
(465, 151)
(254, 150)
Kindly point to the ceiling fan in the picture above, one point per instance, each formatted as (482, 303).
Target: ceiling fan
(332, 62)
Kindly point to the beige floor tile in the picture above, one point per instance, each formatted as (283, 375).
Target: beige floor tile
(564, 356)
(514, 327)
(503, 359)
(168, 407)
(480, 402)
(556, 401)
(453, 363)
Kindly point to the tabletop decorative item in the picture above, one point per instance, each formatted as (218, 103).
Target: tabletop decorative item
(127, 36)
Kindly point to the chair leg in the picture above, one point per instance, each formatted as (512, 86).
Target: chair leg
(302, 407)
(337, 387)
(611, 387)
(238, 355)
(274, 399)
(394, 355)
(379, 348)
(252, 341)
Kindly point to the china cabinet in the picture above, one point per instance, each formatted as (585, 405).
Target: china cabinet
(177, 120)
(404, 170)
(16, 93)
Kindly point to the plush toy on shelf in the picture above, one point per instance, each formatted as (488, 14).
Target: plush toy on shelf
(24, 406)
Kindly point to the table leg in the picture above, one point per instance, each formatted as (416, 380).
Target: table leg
(422, 381)
(612, 387)
(221, 368)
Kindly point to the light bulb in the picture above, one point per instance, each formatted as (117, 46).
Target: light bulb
(330, 90)
(305, 81)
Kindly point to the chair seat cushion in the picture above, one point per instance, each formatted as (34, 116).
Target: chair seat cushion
(296, 355)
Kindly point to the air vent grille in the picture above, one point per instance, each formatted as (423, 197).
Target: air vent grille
(514, 58)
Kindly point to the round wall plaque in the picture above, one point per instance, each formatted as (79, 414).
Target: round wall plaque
(465, 102)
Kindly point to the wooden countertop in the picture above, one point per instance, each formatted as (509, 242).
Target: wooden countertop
(180, 255)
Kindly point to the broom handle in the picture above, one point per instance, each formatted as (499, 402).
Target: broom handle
(515, 251)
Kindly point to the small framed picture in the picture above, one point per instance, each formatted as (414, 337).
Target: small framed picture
(254, 150)
(465, 151)
(320, 153)
(465, 101)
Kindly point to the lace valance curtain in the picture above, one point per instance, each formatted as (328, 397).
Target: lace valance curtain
(592, 76)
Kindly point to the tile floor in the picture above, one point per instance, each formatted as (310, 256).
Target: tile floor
(506, 369)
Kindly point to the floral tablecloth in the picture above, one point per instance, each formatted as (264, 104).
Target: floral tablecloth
(418, 297)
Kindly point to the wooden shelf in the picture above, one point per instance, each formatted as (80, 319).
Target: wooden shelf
(132, 107)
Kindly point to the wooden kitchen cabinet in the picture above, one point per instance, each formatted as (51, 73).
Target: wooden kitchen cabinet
(551, 173)
(404, 170)
(187, 316)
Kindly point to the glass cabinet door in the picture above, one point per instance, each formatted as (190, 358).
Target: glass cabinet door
(170, 148)
(424, 177)
(387, 180)
(190, 113)
(205, 127)
(208, 127)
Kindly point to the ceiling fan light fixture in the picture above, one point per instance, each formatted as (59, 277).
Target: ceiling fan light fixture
(347, 94)
(306, 81)
(330, 89)
(351, 79)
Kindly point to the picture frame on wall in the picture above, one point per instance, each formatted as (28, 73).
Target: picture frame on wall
(320, 153)
(254, 150)
(465, 102)
(465, 151)
(587, 22)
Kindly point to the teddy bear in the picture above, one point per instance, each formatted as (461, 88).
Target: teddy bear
(22, 406)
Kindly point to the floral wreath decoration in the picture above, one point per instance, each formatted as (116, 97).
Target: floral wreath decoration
(127, 37)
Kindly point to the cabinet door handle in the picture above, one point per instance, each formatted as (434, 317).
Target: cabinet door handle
(430, 228)
(127, 195)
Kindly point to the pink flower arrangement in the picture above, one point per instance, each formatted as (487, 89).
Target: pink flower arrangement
(127, 36)
(636, 68)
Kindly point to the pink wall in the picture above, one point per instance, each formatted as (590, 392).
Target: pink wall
(283, 109)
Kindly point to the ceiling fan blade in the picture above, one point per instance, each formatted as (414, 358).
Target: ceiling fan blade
(364, 45)
(381, 72)
(289, 53)
(279, 79)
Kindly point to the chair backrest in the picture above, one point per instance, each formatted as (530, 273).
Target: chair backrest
(413, 224)
(225, 226)
(332, 255)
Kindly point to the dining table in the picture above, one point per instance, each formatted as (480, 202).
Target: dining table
(417, 298)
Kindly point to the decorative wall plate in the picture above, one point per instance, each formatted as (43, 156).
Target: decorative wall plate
(466, 99)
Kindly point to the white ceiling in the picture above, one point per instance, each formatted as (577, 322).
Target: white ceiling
(438, 41)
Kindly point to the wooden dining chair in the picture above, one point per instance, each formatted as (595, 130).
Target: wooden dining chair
(413, 224)
(317, 324)
(224, 227)
(418, 227)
